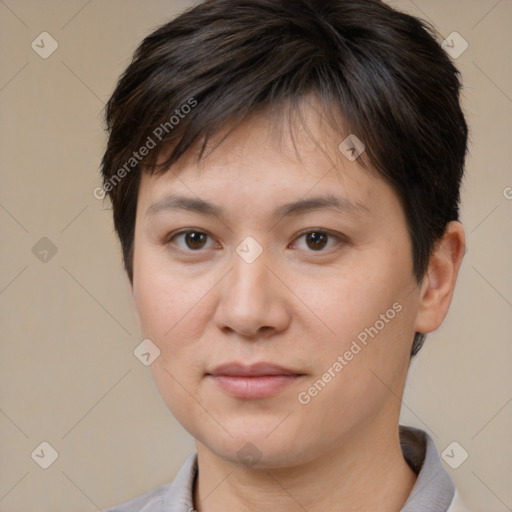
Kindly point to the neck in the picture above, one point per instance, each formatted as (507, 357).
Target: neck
(367, 472)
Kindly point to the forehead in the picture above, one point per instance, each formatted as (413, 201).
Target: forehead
(300, 154)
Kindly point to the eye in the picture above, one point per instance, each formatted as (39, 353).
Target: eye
(192, 240)
(316, 240)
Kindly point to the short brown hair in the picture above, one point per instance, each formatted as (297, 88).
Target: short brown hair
(380, 71)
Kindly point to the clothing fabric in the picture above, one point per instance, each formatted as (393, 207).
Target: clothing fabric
(433, 491)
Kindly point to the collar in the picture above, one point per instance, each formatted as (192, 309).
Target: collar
(434, 489)
(432, 492)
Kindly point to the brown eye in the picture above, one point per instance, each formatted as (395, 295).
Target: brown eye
(190, 240)
(316, 240)
(195, 240)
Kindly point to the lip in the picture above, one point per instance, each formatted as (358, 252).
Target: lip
(259, 380)
(252, 370)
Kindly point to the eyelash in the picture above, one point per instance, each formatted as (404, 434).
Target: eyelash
(340, 239)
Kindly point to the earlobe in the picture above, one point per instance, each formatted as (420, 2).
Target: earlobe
(439, 282)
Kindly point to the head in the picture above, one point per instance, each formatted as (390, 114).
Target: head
(245, 109)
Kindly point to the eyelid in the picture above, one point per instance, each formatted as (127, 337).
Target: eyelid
(334, 234)
(169, 238)
(339, 237)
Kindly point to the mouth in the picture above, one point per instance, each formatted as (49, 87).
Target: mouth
(260, 380)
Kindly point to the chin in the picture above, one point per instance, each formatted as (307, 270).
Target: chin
(258, 450)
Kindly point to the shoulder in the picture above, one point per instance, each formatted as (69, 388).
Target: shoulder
(150, 501)
(457, 505)
(167, 498)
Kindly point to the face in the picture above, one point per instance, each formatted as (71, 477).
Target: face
(301, 261)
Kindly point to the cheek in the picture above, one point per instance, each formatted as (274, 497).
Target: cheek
(156, 304)
(172, 308)
(348, 300)
(364, 315)
(168, 308)
(361, 370)
(161, 297)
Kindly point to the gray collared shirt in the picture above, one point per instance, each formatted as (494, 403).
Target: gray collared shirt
(433, 491)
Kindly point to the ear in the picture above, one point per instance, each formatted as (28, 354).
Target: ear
(439, 282)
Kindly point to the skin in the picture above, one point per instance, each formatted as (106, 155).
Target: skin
(295, 306)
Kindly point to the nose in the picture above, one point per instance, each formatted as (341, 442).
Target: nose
(253, 301)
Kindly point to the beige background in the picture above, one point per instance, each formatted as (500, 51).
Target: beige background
(68, 375)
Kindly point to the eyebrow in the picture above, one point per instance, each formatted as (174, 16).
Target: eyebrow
(325, 202)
